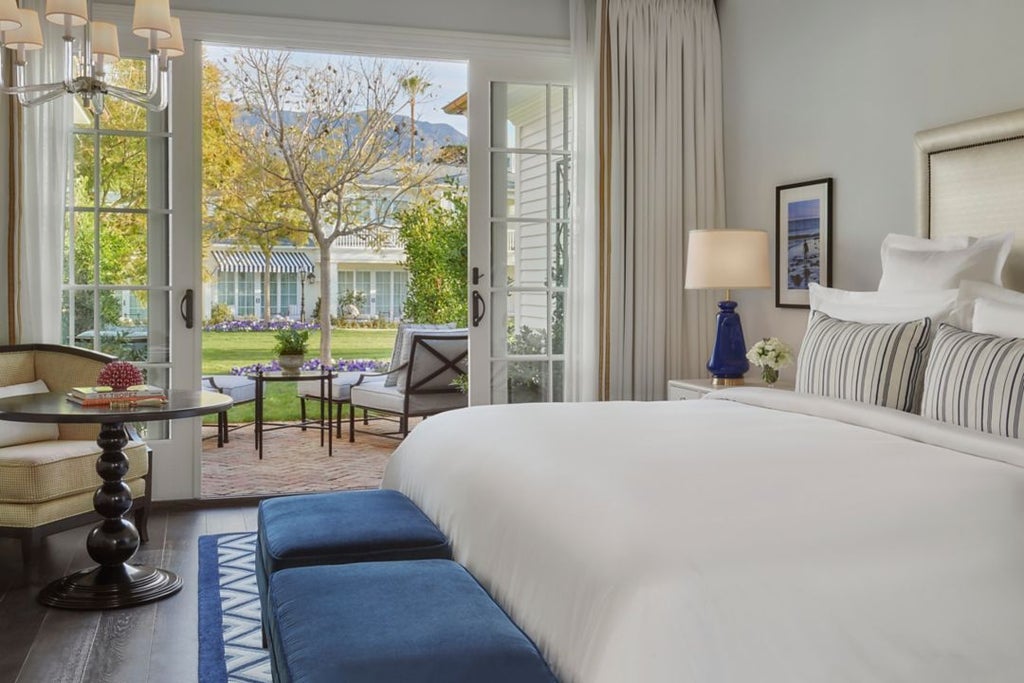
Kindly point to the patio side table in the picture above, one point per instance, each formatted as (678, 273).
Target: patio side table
(325, 377)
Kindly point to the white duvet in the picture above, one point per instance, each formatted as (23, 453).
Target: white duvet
(768, 536)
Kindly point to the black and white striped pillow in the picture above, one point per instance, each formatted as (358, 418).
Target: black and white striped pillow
(870, 363)
(976, 381)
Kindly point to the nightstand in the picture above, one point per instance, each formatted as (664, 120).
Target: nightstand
(691, 389)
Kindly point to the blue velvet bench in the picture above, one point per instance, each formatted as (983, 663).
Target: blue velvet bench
(340, 528)
(422, 621)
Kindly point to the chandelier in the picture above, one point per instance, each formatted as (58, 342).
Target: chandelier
(85, 66)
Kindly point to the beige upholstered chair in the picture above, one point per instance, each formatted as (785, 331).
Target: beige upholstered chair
(422, 381)
(48, 472)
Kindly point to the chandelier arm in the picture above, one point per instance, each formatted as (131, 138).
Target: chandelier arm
(26, 102)
(158, 102)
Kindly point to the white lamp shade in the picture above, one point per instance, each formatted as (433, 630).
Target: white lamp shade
(152, 15)
(58, 10)
(104, 40)
(29, 36)
(175, 45)
(9, 17)
(727, 259)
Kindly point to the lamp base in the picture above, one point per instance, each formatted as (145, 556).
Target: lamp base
(727, 382)
(728, 362)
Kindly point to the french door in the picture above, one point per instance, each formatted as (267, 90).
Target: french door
(520, 168)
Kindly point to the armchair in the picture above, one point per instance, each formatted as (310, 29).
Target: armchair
(422, 381)
(48, 472)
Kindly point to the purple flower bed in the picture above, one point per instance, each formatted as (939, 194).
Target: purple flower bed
(260, 326)
(314, 364)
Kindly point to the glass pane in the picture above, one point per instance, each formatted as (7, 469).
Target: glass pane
(519, 116)
(80, 317)
(560, 109)
(526, 332)
(560, 255)
(524, 381)
(561, 186)
(139, 328)
(123, 172)
(85, 169)
(85, 248)
(118, 114)
(558, 380)
(520, 182)
(558, 323)
(523, 261)
(124, 255)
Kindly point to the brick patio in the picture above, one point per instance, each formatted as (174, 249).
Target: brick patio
(293, 462)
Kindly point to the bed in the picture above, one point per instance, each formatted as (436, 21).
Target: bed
(761, 535)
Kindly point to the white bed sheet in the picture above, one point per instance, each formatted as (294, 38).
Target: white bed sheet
(723, 540)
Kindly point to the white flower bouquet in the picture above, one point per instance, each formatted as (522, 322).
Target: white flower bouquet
(771, 355)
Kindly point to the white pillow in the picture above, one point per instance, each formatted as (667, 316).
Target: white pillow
(912, 270)
(15, 433)
(971, 291)
(909, 242)
(998, 318)
(882, 307)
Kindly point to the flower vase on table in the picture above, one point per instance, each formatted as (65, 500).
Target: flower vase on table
(771, 355)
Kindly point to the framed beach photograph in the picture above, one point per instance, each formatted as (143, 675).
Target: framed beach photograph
(803, 240)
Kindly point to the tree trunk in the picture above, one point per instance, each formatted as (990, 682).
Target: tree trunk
(326, 304)
(266, 284)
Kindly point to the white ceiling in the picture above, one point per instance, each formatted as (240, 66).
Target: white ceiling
(535, 18)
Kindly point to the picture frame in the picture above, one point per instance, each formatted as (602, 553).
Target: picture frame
(803, 240)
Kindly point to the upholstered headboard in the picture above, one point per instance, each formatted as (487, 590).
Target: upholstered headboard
(970, 181)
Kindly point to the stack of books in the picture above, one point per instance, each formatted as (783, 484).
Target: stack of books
(146, 394)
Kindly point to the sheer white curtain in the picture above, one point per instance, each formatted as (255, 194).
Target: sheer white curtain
(651, 170)
(40, 139)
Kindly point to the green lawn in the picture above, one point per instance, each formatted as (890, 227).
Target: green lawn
(225, 350)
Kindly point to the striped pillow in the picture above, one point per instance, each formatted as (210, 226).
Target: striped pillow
(870, 363)
(976, 381)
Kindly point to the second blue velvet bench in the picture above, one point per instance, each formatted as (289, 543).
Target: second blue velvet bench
(341, 527)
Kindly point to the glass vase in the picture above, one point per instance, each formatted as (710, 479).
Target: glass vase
(770, 376)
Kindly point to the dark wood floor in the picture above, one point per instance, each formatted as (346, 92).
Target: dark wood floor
(157, 642)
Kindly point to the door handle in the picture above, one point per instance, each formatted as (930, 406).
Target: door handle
(479, 308)
(186, 308)
(477, 275)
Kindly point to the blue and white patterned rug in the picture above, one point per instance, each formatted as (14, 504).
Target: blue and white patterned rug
(230, 639)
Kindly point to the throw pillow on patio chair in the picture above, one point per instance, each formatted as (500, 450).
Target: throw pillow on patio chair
(422, 381)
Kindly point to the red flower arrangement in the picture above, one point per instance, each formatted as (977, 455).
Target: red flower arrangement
(120, 375)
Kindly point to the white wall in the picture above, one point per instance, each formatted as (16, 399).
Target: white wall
(535, 18)
(816, 88)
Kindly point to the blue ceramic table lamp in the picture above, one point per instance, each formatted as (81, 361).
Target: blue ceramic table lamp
(728, 259)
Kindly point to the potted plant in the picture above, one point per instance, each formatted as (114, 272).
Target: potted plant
(291, 349)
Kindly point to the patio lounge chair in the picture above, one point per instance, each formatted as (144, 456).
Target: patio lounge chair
(421, 384)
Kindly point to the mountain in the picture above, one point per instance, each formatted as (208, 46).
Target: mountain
(428, 135)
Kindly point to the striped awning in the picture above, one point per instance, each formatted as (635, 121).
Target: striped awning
(253, 262)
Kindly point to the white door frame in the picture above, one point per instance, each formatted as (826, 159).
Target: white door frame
(174, 477)
(541, 70)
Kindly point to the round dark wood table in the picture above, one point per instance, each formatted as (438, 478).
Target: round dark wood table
(114, 541)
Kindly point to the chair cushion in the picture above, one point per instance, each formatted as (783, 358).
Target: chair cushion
(44, 470)
(345, 526)
(30, 515)
(14, 433)
(392, 400)
(341, 386)
(378, 396)
(400, 337)
(414, 622)
(240, 389)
